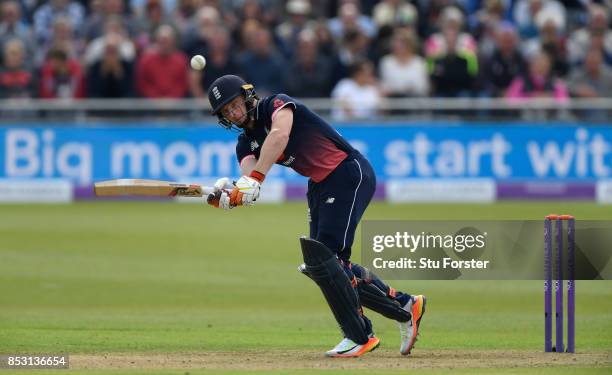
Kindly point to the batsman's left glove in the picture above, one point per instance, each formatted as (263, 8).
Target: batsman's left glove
(220, 198)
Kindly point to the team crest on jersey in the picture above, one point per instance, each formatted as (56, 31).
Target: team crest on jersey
(278, 103)
(216, 93)
(254, 145)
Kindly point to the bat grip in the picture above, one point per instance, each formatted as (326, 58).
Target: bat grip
(211, 196)
(216, 195)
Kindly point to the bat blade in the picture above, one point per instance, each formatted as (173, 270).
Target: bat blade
(148, 188)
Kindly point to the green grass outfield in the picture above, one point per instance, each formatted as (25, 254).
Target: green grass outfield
(143, 287)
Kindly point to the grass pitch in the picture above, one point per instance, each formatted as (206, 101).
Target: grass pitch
(171, 288)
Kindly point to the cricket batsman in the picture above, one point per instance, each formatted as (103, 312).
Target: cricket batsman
(279, 129)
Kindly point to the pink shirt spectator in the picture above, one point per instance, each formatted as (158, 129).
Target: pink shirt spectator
(539, 82)
(537, 86)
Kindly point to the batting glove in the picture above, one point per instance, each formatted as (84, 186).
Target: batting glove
(246, 189)
(220, 198)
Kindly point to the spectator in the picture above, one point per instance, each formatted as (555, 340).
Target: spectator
(139, 7)
(453, 71)
(354, 47)
(485, 23)
(357, 97)
(551, 40)
(504, 65)
(147, 24)
(325, 39)
(61, 76)
(220, 62)
(321, 9)
(96, 23)
(45, 17)
(451, 22)
(16, 79)
(250, 10)
(470, 6)
(261, 64)
(195, 40)
(62, 36)
(350, 19)
(526, 11)
(245, 34)
(95, 14)
(467, 46)
(404, 72)
(538, 82)
(395, 13)
(389, 15)
(309, 74)
(597, 34)
(577, 11)
(366, 6)
(161, 71)
(184, 13)
(12, 27)
(262, 11)
(112, 75)
(430, 16)
(593, 80)
(114, 28)
(28, 7)
(228, 14)
(288, 31)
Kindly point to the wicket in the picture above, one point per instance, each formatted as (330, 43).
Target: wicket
(571, 284)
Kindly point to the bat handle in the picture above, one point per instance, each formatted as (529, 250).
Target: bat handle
(216, 195)
(211, 196)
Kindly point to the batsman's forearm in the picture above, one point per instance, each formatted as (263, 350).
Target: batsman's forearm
(271, 150)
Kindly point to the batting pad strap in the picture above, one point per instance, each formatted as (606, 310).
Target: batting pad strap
(377, 300)
(374, 299)
(323, 267)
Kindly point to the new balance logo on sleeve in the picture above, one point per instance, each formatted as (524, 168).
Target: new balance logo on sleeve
(289, 161)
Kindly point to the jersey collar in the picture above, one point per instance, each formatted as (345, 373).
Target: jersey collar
(256, 122)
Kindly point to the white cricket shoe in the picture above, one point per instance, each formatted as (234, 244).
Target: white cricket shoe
(348, 348)
(409, 330)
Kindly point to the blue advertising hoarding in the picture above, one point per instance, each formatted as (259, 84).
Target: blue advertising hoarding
(501, 152)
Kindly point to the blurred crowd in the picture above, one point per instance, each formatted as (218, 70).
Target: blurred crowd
(355, 51)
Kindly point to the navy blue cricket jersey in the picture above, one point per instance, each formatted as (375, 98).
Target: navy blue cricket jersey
(314, 149)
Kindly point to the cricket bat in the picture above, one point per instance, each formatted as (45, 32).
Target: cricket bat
(149, 188)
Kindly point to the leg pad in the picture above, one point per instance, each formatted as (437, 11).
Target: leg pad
(323, 267)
